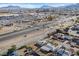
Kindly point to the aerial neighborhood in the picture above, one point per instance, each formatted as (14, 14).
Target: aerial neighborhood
(44, 31)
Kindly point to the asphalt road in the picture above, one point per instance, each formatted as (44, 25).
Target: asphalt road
(14, 34)
(25, 31)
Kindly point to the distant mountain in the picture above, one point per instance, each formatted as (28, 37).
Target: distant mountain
(46, 6)
(11, 7)
(73, 6)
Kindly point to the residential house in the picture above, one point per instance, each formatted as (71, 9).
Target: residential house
(67, 37)
(49, 47)
(41, 43)
(62, 52)
(14, 53)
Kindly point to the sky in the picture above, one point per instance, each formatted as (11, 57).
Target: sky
(34, 5)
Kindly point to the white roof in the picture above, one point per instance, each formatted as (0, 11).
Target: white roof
(39, 42)
(45, 48)
(48, 47)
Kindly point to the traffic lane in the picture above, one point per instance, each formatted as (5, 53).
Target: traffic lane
(15, 34)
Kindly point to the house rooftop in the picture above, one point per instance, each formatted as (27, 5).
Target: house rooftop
(48, 47)
(62, 52)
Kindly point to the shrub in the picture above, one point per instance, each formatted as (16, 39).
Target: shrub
(24, 46)
(50, 18)
(78, 52)
(11, 50)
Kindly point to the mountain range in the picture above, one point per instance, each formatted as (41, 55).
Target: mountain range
(76, 6)
(11, 7)
(68, 6)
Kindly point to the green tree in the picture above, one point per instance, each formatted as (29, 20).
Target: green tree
(12, 49)
(24, 46)
(50, 18)
(78, 52)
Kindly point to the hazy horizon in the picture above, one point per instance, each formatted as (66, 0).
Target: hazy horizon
(34, 5)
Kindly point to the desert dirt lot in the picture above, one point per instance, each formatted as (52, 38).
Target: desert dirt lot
(8, 29)
(8, 14)
(21, 40)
